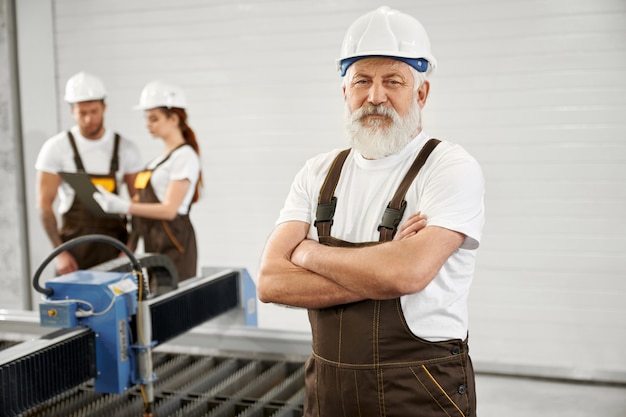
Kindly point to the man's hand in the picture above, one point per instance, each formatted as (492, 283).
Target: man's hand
(392, 269)
(111, 203)
(298, 255)
(65, 263)
(413, 224)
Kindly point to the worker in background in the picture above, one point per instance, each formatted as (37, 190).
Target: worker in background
(89, 147)
(387, 304)
(169, 185)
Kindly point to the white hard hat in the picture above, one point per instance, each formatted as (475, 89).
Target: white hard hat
(84, 87)
(159, 94)
(388, 33)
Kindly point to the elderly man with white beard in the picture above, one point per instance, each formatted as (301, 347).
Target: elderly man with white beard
(379, 241)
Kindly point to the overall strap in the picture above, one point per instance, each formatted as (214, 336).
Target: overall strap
(114, 166)
(151, 170)
(327, 201)
(167, 157)
(114, 159)
(395, 209)
(77, 161)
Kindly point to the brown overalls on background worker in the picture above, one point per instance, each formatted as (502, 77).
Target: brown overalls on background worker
(169, 184)
(90, 148)
(379, 242)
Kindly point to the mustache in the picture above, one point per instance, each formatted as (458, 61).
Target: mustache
(374, 110)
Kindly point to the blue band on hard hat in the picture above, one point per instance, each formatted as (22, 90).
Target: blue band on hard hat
(420, 64)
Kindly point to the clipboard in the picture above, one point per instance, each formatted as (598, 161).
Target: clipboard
(84, 188)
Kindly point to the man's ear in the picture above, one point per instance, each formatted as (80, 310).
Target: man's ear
(422, 94)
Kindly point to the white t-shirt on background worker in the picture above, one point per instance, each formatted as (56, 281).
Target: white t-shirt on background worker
(183, 163)
(56, 155)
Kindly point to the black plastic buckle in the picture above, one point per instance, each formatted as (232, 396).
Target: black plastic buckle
(325, 212)
(392, 217)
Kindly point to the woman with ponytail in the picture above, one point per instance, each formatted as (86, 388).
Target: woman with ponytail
(168, 186)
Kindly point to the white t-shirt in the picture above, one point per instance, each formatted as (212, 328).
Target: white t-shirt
(449, 190)
(183, 163)
(56, 155)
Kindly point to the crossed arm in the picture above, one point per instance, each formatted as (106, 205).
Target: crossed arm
(300, 272)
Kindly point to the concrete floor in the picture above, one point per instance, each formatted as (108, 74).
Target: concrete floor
(501, 396)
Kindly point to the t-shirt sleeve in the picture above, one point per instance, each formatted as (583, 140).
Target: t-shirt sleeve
(184, 166)
(49, 159)
(297, 205)
(453, 196)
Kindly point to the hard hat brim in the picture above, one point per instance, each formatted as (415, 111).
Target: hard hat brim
(420, 64)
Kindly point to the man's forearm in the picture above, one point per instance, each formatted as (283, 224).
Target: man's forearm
(291, 285)
(367, 275)
(281, 281)
(388, 270)
(49, 222)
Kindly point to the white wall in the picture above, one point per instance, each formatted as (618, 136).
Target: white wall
(38, 101)
(533, 89)
(12, 252)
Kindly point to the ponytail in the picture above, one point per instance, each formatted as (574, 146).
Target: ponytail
(190, 139)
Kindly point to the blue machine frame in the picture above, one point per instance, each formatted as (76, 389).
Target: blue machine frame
(105, 303)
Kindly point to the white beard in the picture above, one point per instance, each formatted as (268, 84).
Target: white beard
(374, 141)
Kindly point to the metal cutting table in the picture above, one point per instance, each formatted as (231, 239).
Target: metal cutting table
(216, 364)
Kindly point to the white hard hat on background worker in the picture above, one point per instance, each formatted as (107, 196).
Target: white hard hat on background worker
(389, 33)
(84, 87)
(159, 94)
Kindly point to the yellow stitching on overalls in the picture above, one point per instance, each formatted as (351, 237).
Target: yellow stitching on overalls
(340, 336)
(442, 390)
(343, 397)
(382, 365)
(315, 347)
(356, 388)
(317, 396)
(377, 368)
(429, 393)
(374, 324)
(172, 237)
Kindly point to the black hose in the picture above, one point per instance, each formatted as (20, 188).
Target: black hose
(77, 241)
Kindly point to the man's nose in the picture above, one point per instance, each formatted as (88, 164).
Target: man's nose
(377, 94)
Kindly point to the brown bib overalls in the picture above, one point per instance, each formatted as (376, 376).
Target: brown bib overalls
(80, 221)
(366, 362)
(175, 238)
